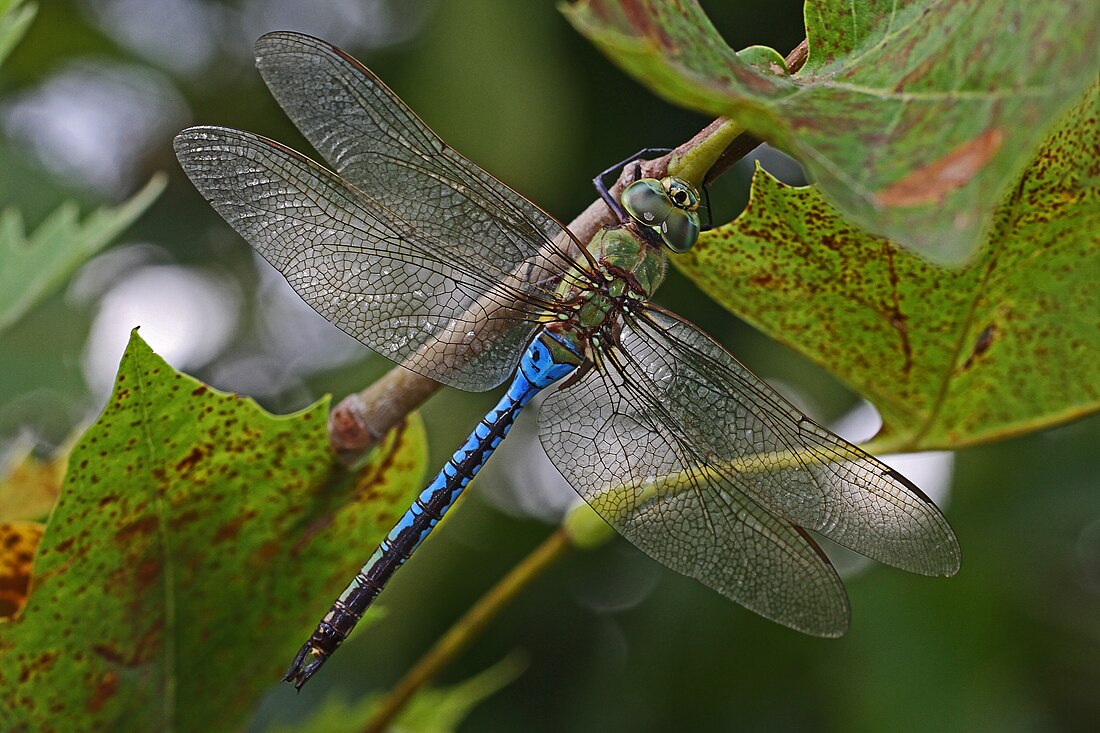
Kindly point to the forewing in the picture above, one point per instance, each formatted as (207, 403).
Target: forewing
(364, 266)
(449, 311)
(372, 139)
(616, 440)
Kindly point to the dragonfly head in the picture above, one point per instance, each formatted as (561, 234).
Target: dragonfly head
(669, 206)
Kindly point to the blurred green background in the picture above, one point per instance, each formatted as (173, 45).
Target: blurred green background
(89, 103)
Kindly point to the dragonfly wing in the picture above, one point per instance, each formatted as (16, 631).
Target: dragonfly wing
(782, 459)
(706, 414)
(459, 317)
(612, 438)
(709, 470)
(372, 139)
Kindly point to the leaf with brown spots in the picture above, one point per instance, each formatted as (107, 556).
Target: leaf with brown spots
(913, 116)
(194, 543)
(932, 182)
(1008, 344)
(18, 543)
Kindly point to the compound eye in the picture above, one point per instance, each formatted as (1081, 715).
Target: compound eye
(647, 201)
(680, 230)
(681, 193)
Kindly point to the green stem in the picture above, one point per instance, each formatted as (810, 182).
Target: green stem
(467, 628)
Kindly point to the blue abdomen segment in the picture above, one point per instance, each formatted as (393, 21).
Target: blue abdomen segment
(548, 358)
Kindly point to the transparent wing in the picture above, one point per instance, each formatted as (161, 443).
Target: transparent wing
(619, 446)
(372, 139)
(418, 253)
(710, 471)
(442, 307)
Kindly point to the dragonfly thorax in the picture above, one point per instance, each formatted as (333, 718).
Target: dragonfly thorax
(593, 313)
(623, 255)
(623, 273)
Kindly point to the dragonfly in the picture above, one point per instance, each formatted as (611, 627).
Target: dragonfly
(432, 262)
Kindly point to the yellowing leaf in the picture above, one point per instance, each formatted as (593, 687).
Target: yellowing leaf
(29, 485)
(18, 543)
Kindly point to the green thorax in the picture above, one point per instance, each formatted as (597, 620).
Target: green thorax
(623, 271)
(626, 257)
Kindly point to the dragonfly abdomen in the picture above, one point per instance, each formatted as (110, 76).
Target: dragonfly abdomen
(547, 359)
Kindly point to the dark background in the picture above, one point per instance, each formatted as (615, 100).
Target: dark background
(89, 103)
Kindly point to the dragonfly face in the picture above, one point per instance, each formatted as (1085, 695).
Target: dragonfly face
(669, 206)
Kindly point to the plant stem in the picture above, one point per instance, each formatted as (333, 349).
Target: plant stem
(467, 628)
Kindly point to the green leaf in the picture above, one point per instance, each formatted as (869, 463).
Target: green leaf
(15, 18)
(913, 117)
(432, 710)
(29, 270)
(195, 544)
(950, 357)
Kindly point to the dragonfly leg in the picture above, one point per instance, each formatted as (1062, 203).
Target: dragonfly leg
(706, 207)
(578, 374)
(601, 187)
